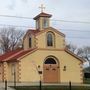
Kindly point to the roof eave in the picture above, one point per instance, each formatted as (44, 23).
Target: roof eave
(68, 51)
(42, 15)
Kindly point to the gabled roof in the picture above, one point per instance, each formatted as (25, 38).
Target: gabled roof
(20, 53)
(36, 32)
(42, 14)
(31, 31)
(14, 55)
(55, 30)
(51, 29)
(8, 54)
(74, 55)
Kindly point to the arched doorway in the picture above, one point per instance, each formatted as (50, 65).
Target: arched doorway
(51, 70)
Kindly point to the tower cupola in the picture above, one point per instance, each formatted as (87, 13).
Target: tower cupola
(42, 20)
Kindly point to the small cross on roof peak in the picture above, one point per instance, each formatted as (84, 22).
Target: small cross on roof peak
(42, 7)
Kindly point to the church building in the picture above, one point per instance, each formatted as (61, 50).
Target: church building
(44, 57)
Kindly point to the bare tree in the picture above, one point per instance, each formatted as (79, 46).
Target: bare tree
(71, 47)
(10, 38)
(84, 53)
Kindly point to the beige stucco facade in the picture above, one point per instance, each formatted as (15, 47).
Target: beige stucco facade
(32, 61)
(50, 57)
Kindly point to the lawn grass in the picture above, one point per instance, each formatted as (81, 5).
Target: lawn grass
(52, 88)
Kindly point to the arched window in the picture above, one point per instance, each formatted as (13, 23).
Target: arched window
(37, 24)
(45, 23)
(50, 61)
(30, 42)
(50, 39)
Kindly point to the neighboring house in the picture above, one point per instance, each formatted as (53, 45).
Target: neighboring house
(44, 56)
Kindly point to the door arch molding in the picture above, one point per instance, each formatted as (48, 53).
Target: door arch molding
(53, 57)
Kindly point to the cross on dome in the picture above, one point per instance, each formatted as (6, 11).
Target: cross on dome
(42, 7)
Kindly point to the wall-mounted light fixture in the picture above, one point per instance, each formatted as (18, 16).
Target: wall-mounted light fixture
(39, 70)
(64, 68)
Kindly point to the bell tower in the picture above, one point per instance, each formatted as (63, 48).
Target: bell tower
(42, 19)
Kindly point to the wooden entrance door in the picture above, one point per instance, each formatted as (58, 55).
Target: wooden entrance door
(51, 71)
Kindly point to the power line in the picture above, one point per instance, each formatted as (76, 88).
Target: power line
(72, 21)
(9, 25)
(75, 30)
(77, 37)
(69, 21)
(59, 29)
(15, 17)
(72, 37)
(66, 30)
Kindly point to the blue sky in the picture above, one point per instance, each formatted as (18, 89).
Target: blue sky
(68, 10)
